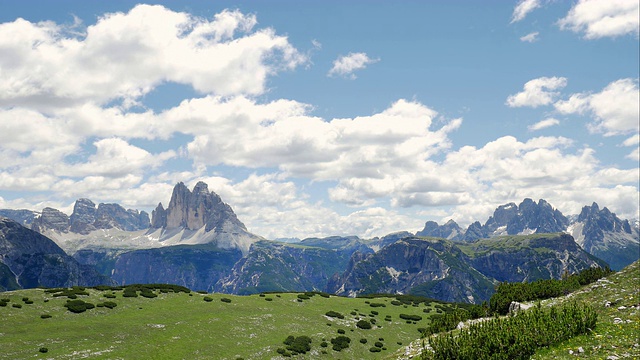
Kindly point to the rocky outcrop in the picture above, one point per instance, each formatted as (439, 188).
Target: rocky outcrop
(53, 219)
(450, 230)
(273, 266)
(35, 260)
(87, 218)
(528, 258)
(21, 216)
(426, 267)
(601, 233)
(527, 218)
(195, 209)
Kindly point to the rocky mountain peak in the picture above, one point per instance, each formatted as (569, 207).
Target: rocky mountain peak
(195, 209)
(83, 216)
(51, 218)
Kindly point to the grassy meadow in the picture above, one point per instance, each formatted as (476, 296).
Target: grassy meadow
(181, 325)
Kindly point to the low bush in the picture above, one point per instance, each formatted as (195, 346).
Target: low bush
(341, 342)
(377, 305)
(363, 341)
(363, 324)
(207, 299)
(334, 314)
(43, 350)
(515, 337)
(110, 296)
(109, 304)
(225, 300)
(378, 344)
(298, 345)
(303, 297)
(45, 316)
(410, 317)
(396, 303)
(341, 331)
(18, 306)
(374, 312)
(374, 349)
(78, 306)
(268, 299)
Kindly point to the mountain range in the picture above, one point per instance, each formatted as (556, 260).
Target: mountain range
(197, 241)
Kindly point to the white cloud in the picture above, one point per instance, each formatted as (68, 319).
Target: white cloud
(126, 55)
(603, 18)
(532, 37)
(537, 92)
(346, 65)
(523, 8)
(615, 109)
(543, 124)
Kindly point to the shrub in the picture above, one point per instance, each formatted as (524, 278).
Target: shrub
(110, 296)
(373, 312)
(225, 300)
(341, 342)
(298, 345)
(377, 305)
(268, 299)
(25, 299)
(207, 299)
(341, 331)
(262, 295)
(78, 306)
(363, 341)
(396, 303)
(3, 304)
(18, 306)
(148, 294)
(324, 344)
(410, 317)
(303, 297)
(109, 304)
(363, 324)
(374, 349)
(45, 316)
(353, 313)
(43, 350)
(29, 302)
(334, 314)
(378, 344)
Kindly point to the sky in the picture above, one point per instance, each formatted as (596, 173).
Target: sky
(319, 118)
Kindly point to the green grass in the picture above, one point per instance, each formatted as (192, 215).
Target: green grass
(180, 325)
(608, 338)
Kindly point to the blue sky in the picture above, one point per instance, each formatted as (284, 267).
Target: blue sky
(317, 118)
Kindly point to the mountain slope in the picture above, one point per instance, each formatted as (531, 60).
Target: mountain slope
(34, 260)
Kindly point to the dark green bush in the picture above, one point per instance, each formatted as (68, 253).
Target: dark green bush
(334, 314)
(410, 317)
(377, 305)
(43, 350)
(374, 349)
(515, 337)
(78, 306)
(374, 312)
(110, 296)
(324, 344)
(268, 299)
(18, 306)
(363, 324)
(378, 344)
(353, 313)
(303, 297)
(262, 295)
(45, 316)
(341, 331)
(207, 299)
(341, 342)
(298, 345)
(25, 299)
(363, 341)
(109, 304)
(3, 304)
(225, 300)
(396, 303)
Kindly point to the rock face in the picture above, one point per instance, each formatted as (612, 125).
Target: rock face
(433, 267)
(197, 267)
(450, 230)
(22, 217)
(87, 218)
(273, 266)
(195, 209)
(454, 271)
(528, 258)
(51, 218)
(527, 218)
(34, 260)
(603, 234)
(199, 217)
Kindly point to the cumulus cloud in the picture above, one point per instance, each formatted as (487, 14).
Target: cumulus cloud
(615, 110)
(126, 55)
(543, 124)
(603, 18)
(532, 37)
(537, 92)
(347, 65)
(523, 8)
